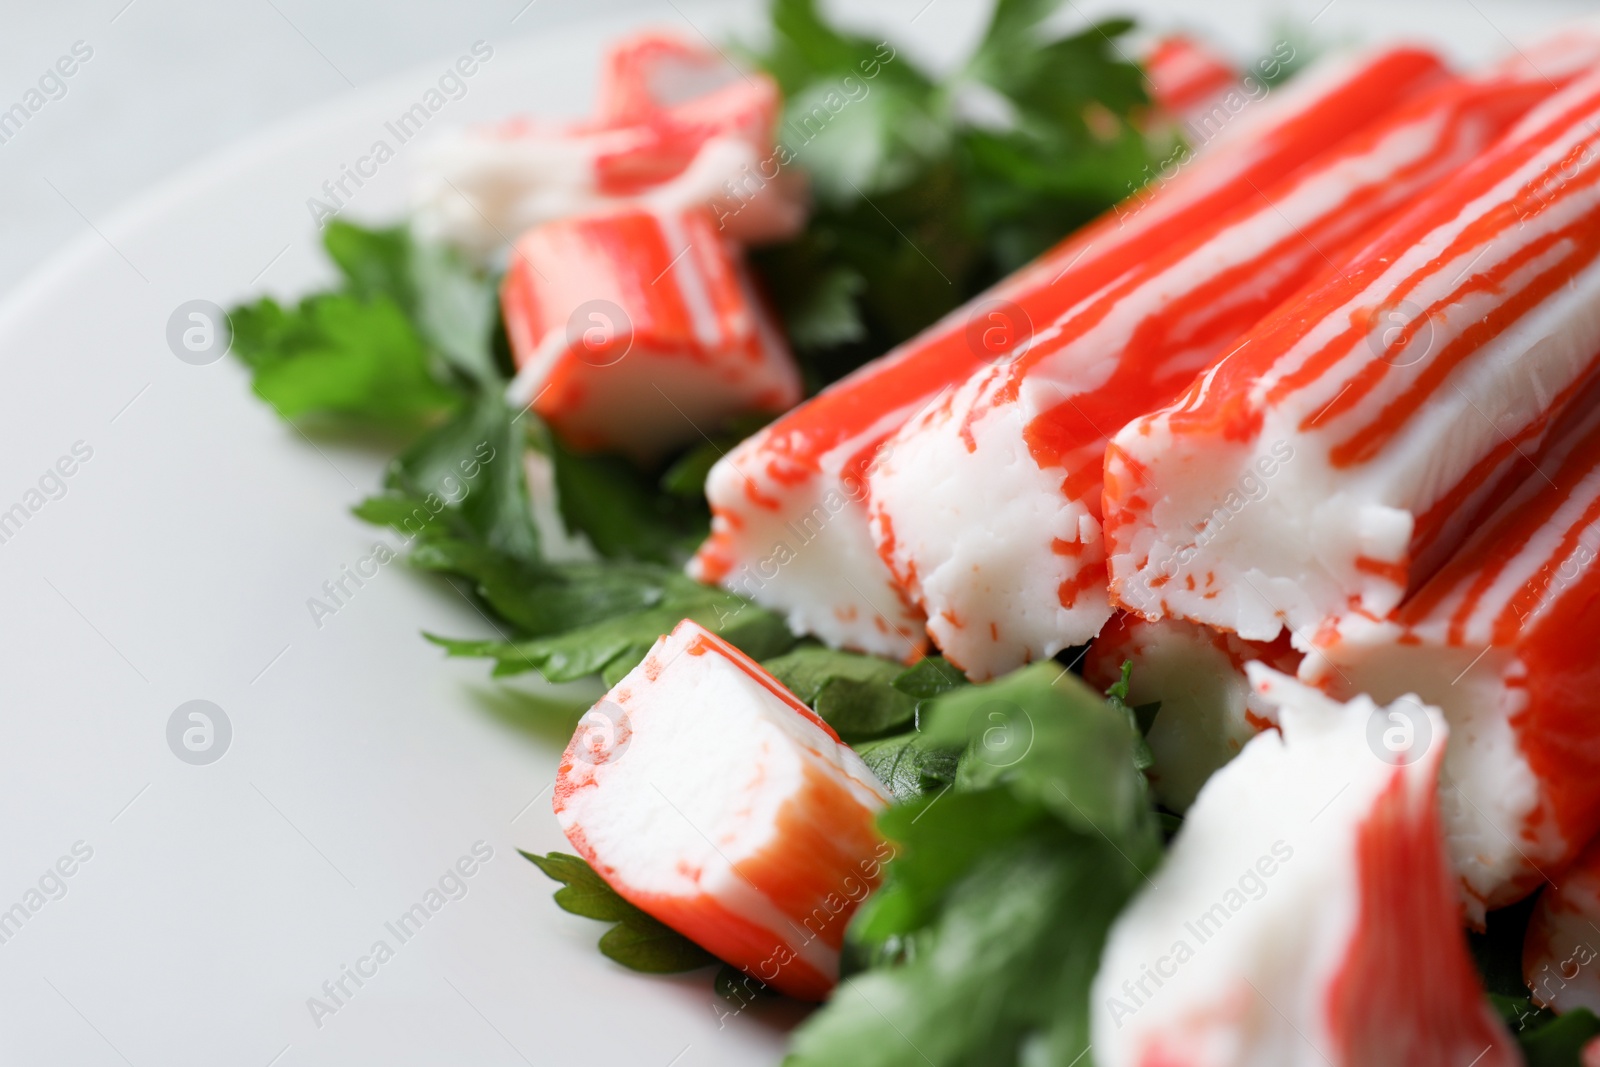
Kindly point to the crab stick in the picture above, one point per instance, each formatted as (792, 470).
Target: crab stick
(639, 330)
(1196, 674)
(1186, 79)
(661, 101)
(1561, 950)
(1305, 915)
(1501, 641)
(1386, 402)
(705, 794)
(789, 525)
(986, 506)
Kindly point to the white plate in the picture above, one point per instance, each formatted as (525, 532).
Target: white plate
(178, 565)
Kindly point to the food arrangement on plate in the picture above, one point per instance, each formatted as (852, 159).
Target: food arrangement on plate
(1089, 560)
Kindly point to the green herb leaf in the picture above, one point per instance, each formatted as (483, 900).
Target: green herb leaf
(335, 354)
(616, 645)
(852, 693)
(637, 941)
(986, 932)
(738, 988)
(376, 263)
(643, 944)
(471, 467)
(1052, 741)
(930, 189)
(1560, 1042)
(1006, 966)
(622, 510)
(929, 677)
(908, 766)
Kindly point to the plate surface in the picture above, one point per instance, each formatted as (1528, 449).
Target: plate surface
(176, 563)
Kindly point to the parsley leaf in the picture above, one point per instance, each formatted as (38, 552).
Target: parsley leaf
(472, 465)
(929, 189)
(909, 767)
(637, 941)
(335, 354)
(852, 693)
(385, 347)
(623, 510)
(987, 930)
(1005, 967)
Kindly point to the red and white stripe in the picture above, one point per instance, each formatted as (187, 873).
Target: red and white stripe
(1395, 397)
(1304, 915)
(662, 100)
(987, 505)
(637, 331)
(1186, 78)
(789, 520)
(704, 793)
(1501, 640)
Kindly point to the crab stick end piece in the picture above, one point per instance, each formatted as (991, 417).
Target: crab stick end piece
(1385, 444)
(807, 468)
(792, 536)
(1499, 640)
(704, 793)
(639, 331)
(1208, 711)
(1305, 914)
(1561, 951)
(1501, 827)
(1185, 76)
(979, 536)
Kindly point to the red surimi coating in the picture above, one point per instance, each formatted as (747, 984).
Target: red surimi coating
(1502, 640)
(816, 455)
(1305, 914)
(1185, 75)
(1401, 388)
(655, 81)
(638, 330)
(669, 111)
(710, 797)
(976, 542)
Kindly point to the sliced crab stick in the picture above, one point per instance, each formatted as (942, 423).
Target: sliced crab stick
(1196, 674)
(661, 101)
(1305, 915)
(1561, 950)
(639, 330)
(789, 524)
(1376, 412)
(986, 506)
(1501, 640)
(688, 95)
(704, 793)
(1187, 79)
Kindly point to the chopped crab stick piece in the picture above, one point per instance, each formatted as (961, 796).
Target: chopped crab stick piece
(1186, 79)
(661, 101)
(1305, 915)
(987, 506)
(704, 793)
(1501, 640)
(1561, 950)
(1386, 402)
(635, 331)
(691, 94)
(1196, 674)
(789, 525)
